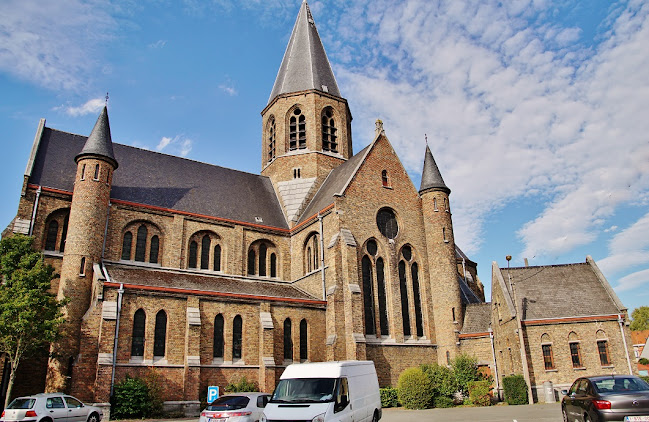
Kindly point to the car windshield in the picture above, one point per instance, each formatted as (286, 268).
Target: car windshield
(22, 404)
(228, 403)
(304, 390)
(620, 385)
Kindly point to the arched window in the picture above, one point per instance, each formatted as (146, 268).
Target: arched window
(251, 262)
(288, 341)
(546, 349)
(217, 258)
(193, 252)
(64, 233)
(237, 327)
(575, 350)
(311, 253)
(304, 345)
(52, 234)
(140, 243)
(262, 259)
(414, 271)
(126, 246)
(153, 253)
(218, 337)
(160, 334)
(297, 130)
(273, 265)
(383, 308)
(271, 138)
(368, 296)
(602, 348)
(384, 178)
(96, 177)
(403, 288)
(386, 222)
(206, 245)
(137, 338)
(329, 137)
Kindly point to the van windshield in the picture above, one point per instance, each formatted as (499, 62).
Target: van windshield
(304, 390)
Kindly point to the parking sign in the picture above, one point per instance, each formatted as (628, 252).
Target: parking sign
(212, 393)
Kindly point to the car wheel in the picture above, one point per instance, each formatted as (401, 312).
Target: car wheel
(565, 415)
(93, 417)
(586, 418)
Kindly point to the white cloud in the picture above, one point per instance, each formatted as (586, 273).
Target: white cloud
(228, 89)
(41, 41)
(628, 249)
(514, 108)
(178, 145)
(158, 44)
(93, 106)
(633, 281)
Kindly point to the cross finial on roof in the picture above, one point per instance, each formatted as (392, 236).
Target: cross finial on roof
(379, 126)
(107, 98)
(426, 137)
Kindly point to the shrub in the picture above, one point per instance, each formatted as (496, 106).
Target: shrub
(442, 380)
(646, 378)
(131, 399)
(415, 389)
(643, 361)
(241, 386)
(479, 393)
(465, 369)
(515, 389)
(389, 397)
(442, 401)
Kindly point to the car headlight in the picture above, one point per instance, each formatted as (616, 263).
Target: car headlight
(319, 418)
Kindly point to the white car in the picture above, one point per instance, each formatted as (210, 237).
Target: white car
(50, 407)
(237, 407)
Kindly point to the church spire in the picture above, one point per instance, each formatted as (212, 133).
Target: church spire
(305, 65)
(99, 143)
(431, 178)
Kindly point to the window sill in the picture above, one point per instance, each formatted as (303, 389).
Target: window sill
(581, 368)
(608, 366)
(387, 187)
(552, 370)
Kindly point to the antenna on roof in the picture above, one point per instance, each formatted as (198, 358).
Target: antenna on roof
(107, 98)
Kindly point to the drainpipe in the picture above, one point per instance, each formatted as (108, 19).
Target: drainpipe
(31, 223)
(322, 261)
(493, 355)
(120, 293)
(620, 320)
(103, 246)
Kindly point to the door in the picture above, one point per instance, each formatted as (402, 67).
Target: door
(343, 411)
(55, 407)
(570, 400)
(77, 412)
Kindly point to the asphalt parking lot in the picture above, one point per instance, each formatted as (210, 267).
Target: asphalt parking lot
(536, 412)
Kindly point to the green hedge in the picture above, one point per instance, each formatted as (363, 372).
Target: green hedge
(241, 386)
(415, 389)
(443, 401)
(389, 397)
(515, 389)
(442, 378)
(479, 393)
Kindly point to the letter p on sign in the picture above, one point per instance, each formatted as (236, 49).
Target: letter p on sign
(212, 393)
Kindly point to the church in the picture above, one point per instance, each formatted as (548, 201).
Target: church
(206, 274)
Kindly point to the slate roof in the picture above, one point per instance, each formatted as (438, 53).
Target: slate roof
(560, 291)
(203, 282)
(477, 318)
(99, 142)
(305, 65)
(334, 184)
(431, 178)
(466, 294)
(166, 181)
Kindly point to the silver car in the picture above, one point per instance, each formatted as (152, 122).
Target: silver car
(50, 407)
(238, 407)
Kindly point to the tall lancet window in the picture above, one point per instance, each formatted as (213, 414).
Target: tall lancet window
(297, 130)
(329, 137)
(271, 138)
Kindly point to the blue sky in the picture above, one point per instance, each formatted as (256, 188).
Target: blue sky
(536, 111)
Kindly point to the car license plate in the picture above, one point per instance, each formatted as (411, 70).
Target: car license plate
(636, 418)
(216, 420)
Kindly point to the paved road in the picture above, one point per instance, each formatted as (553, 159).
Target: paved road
(528, 413)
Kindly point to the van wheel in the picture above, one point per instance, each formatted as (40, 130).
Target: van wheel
(375, 418)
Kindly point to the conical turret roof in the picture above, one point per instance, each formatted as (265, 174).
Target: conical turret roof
(305, 65)
(431, 178)
(99, 142)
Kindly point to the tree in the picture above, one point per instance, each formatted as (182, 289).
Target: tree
(465, 369)
(30, 315)
(640, 318)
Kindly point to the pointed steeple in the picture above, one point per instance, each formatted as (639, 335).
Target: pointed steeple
(99, 143)
(305, 65)
(431, 178)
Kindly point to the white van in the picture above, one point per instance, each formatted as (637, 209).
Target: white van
(346, 391)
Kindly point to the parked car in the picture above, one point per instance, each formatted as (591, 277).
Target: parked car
(239, 407)
(606, 398)
(326, 391)
(50, 407)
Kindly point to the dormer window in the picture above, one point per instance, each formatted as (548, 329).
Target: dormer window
(329, 137)
(297, 130)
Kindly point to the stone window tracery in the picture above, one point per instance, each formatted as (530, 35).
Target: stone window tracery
(205, 251)
(311, 253)
(262, 259)
(56, 230)
(373, 289)
(386, 221)
(297, 130)
(329, 137)
(145, 246)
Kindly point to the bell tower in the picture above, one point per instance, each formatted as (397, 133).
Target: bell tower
(306, 126)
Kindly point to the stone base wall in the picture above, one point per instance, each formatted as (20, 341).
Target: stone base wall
(390, 361)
